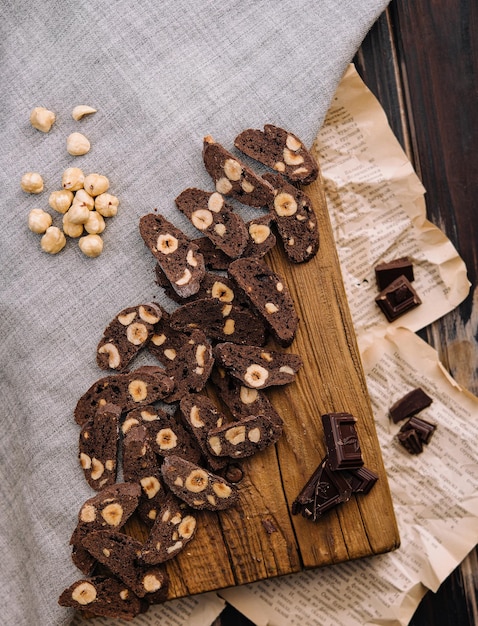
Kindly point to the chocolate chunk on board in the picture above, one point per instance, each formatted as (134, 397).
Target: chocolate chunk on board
(198, 487)
(269, 296)
(186, 356)
(233, 178)
(295, 220)
(110, 508)
(397, 298)
(256, 367)
(244, 437)
(173, 529)
(280, 150)
(139, 387)
(98, 446)
(361, 479)
(200, 414)
(410, 404)
(387, 272)
(126, 334)
(324, 490)
(210, 213)
(342, 441)
(102, 596)
(120, 553)
(177, 255)
(220, 321)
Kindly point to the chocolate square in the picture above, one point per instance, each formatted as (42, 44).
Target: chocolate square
(386, 273)
(342, 441)
(398, 298)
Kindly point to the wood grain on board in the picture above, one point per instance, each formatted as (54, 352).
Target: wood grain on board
(259, 538)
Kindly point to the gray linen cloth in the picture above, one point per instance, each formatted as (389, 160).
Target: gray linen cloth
(161, 75)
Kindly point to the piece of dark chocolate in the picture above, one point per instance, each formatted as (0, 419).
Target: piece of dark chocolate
(397, 298)
(423, 428)
(410, 404)
(324, 490)
(361, 479)
(410, 440)
(342, 442)
(386, 273)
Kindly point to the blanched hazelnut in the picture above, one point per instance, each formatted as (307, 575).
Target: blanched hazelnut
(61, 200)
(96, 184)
(53, 240)
(72, 179)
(95, 223)
(39, 220)
(77, 144)
(42, 119)
(106, 204)
(70, 229)
(32, 182)
(78, 213)
(81, 110)
(91, 245)
(84, 197)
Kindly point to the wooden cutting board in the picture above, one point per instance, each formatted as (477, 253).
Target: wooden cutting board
(260, 538)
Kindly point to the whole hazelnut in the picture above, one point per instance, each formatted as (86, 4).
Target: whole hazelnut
(96, 184)
(95, 223)
(84, 197)
(42, 119)
(106, 204)
(53, 240)
(78, 213)
(61, 200)
(32, 182)
(72, 230)
(91, 245)
(39, 220)
(72, 179)
(77, 144)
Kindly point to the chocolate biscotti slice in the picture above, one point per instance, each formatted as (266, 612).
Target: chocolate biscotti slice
(186, 356)
(141, 465)
(242, 401)
(126, 334)
(198, 487)
(295, 220)
(139, 387)
(166, 435)
(102, 596)
(261, 237)
(233, 178)
(245, 437)
(220, 321)
(213, 216)
(269, 296)
(98, 446)
(174, 527)
(120, 553)
(280, 150)
(257, 367)
(177, 255)
(110, 508)
(201, 415)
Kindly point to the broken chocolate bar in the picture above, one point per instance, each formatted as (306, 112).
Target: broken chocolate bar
(324, 490)
(398, 298)
(361, 479)
(411, 441)
(342, 441)
(410, 404)
(386, 273)
(423, 428)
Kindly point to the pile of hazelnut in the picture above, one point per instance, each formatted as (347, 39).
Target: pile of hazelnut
(83, 200)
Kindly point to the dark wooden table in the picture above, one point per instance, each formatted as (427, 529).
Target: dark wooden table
(421, 61)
